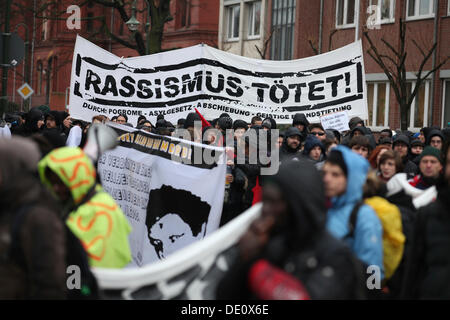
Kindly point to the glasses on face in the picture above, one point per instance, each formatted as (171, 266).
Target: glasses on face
(318, 133)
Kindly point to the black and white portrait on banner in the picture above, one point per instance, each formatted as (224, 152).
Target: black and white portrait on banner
(175, 218)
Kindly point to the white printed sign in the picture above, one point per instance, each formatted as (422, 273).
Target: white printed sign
(337, 121)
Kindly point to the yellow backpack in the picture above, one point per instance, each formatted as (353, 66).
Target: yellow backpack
(393, 237)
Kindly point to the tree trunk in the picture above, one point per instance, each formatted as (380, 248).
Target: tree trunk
(159, 15)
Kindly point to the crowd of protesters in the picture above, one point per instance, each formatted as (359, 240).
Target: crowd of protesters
(349, 215)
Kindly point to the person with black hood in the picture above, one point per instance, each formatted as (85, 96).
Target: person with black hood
(427, 273)
(292, 144)
(34, 123)
(53, 129)
(287, 252)
(435, 139)
(352, 124)
(301, 123)
(401, 145)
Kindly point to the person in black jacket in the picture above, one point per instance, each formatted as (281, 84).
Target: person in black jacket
(292, 144)
(289, 241)
(428, 265)
(34, 123)
(435, 139)
(401, 145)
(301, 123)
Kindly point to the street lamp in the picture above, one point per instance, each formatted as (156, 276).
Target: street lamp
(133, 23)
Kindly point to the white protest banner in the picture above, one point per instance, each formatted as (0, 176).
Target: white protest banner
(191, 273)
(172, 83)
(171, 196)
(336, 120)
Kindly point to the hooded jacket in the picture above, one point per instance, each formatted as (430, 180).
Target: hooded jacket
(368, 235)
(300, 243)
(432, 134)
(36, 269)
(95, 217)
(300, 118)
(428, 264)
(286, 151)
(409, 167)
(30, 125)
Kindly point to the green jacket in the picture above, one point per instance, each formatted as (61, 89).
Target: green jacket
(99, 223)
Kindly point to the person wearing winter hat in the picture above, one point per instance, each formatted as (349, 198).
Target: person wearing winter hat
(430, 166)
(401, 145)
(313, 149)
(416, 149)
(435, 138)
(292, 143)
(386, 141)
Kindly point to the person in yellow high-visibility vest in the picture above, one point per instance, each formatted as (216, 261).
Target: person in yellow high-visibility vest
(92, 214)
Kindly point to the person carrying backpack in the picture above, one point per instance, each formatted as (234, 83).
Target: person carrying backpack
(344, 175)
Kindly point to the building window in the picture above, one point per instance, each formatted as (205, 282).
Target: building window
(418, 9)
(385, 10)
(283, 20)
(448, 9)
(345, 13)
(44, 34)
(378, 104)
(446, 105)
(417, 116)
(233, 13)
(254, 19)
(184, 13)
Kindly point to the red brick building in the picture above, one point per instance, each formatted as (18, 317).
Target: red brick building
(301, 28)
(195, 22)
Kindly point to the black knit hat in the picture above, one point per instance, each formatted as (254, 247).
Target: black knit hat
(335, 157)
(401, 138)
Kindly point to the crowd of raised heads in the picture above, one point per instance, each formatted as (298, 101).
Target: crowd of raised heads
(348, 215)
